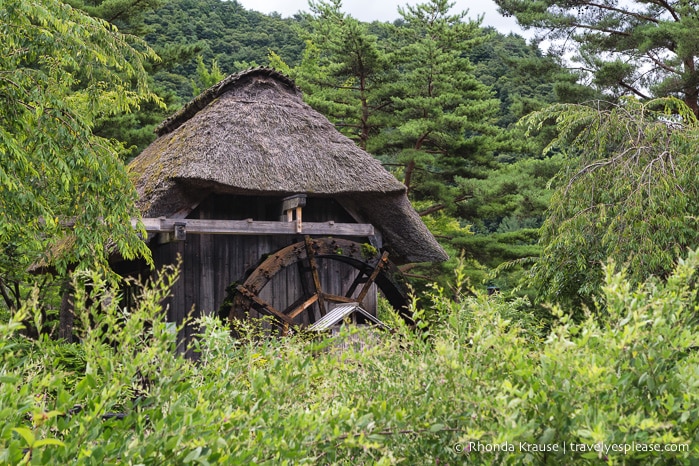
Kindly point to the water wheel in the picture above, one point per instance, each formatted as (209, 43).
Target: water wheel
(302, 259)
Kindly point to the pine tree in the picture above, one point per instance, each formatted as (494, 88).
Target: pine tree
(644, 48)
(442, 114)
(343, 70)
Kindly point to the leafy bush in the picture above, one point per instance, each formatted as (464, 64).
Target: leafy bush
(485, 379)
(629, 194)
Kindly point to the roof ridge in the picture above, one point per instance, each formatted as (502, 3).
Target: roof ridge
(192, 107)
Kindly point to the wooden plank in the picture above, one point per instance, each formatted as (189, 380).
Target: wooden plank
(208, 271)
(292, 202)
(170, 253)
(253, 227)
(192, 274)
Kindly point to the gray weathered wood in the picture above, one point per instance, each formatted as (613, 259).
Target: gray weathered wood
(253, 227)
(292, 202)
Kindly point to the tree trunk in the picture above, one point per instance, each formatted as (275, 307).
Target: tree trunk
(691, 91)
(409, 174)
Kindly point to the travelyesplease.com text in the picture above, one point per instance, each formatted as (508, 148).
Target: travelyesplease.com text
(569, 447)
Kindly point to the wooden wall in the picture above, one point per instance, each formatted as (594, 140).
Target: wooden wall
(210, 263)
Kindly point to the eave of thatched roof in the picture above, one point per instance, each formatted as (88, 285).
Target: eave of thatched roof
(253, 134)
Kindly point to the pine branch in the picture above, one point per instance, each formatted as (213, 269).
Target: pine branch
(441, 206)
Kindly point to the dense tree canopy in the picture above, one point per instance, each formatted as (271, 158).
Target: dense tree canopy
(436, 97)
(234, 36)
(127, 15)
(52, 168)
(641, 47)
(629, 195)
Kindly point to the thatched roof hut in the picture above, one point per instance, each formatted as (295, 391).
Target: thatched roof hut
(252, 134)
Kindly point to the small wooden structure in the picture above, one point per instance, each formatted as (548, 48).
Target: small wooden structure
(271, 209)
(353, 312)
(365, 325)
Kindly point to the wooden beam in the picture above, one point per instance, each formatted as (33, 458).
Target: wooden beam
(254, 227)
(292, 202)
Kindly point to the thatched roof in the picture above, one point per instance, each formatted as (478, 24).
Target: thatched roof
(253, 134)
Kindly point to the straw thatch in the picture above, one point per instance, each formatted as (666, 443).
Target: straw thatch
(253, 134)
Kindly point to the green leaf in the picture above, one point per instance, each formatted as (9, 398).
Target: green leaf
(192, 455)
(48, 441)
(548, 436)
(437, 427)
(26, 434)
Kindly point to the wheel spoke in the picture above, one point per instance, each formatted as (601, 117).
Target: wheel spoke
(314, 272)
(338, 299)
(263, 304)
(295, 311)
(365, 290)
(355, 284)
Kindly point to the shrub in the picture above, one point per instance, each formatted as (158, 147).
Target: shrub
(486, 380)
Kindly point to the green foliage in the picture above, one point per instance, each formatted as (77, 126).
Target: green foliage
(205, 78)
(524, 80)
(452, 234)
(624, 47)
(135, 130)
(631, 195)
(512, 196)
(127, 15)
(224, 31)
(62, 71)
(343, 71)
(442, 115)
(504, 210)
(481, 373)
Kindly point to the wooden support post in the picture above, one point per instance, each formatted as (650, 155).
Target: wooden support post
(299, 224)
(291, 204)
